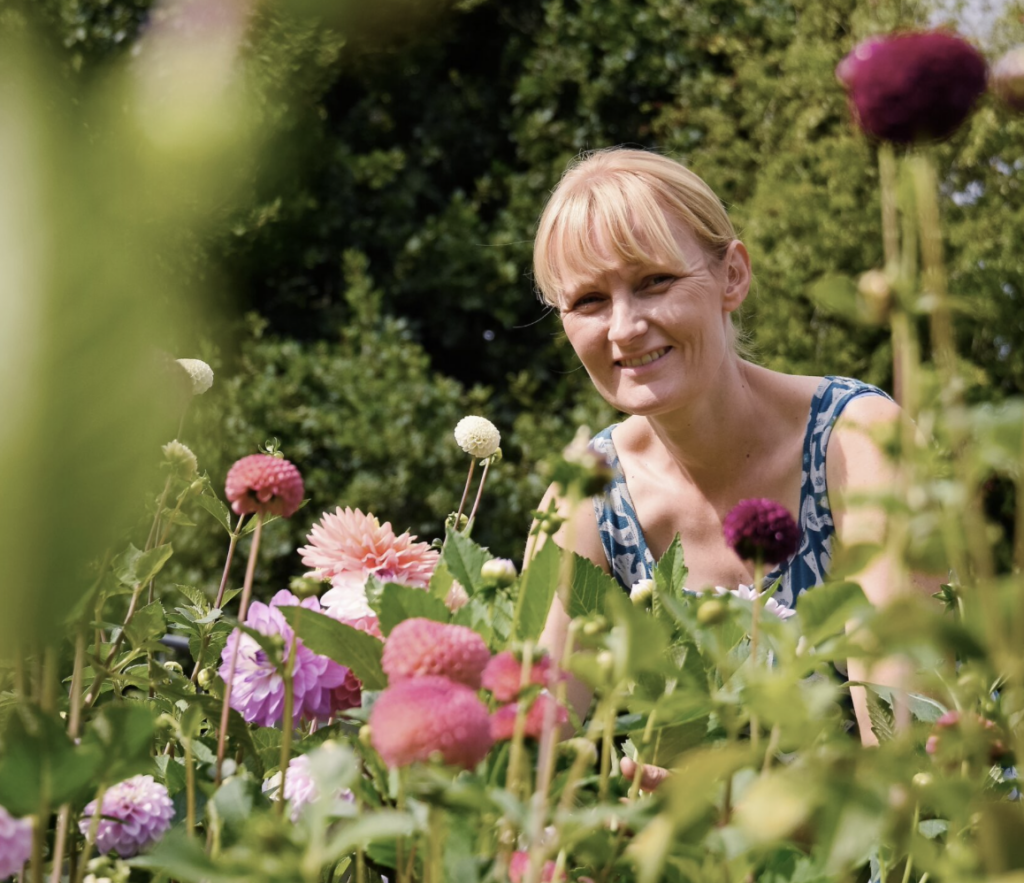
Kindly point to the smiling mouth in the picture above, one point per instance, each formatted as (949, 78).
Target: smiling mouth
(643, 360)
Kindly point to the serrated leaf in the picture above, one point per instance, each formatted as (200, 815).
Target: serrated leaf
(217, 509)
(923, 708)
(464, 559)
(399, 603)
(134, 566)
(537, 587)
(195, 596)
(825, 610)
(172, 771)
(589, 586)
(441, 581)
(147, 623)
(268, 746)
(883, 724)
(345, 645)
(670, 572)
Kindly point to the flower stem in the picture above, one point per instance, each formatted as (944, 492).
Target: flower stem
(243, 608)
(235, 534)
(288, 724)
(465, 493)
(190, 790)
(755, 621)
(515, 753)
(479, 494)
(159, 511)
(90, 837)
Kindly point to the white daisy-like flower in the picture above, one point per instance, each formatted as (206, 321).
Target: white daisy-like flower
(747, 593)
(199, 373)
(477, 436)
(642, 592)
(181, 458)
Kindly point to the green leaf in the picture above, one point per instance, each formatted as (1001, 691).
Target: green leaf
(883, 724)
(147, 624)
(133, 566)
(441, 581)
(399, 603)
(923, 708)
(382, 824)
(589, 586)
(670, 572)
(172, 771)
(268, 746)
(184, 858)
(464, 559)
(216, 508)
(195, 596)
(536, 591)
(698, 778)
(32, 745)
(345, 645)
(639, 639)
(836, 294)
(825, 610)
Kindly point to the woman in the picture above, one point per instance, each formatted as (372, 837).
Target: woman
(640, 259)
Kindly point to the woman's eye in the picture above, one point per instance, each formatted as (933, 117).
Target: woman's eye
(658, 281)
(585, 301)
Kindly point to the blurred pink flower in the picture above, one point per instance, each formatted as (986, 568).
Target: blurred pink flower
(504, 673)
(137, 812)
(15, 843)
(264, 484)
(418, 647)
(258, 689)
(519, 864)
(503, 721)
(347, 546)
(430, 716)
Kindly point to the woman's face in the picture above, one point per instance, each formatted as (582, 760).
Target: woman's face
(653, 337)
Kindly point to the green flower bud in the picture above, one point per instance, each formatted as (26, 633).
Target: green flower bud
(498, 572)
(712, 612)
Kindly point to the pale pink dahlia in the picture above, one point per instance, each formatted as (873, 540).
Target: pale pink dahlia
(258, 689)
(420, 647)
(347, 546)
(15, 843)
(503, 721)
(430, 716)
(519, 864)
(299, 786)
(264, 484)
(136, 813)
(504, 674)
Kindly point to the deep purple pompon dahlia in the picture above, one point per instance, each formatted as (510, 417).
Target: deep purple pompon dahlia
(913, 86)
(761, 529)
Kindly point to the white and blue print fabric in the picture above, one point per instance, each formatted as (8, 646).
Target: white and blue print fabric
(623, 539)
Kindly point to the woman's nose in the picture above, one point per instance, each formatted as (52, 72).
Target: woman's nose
(627, 320)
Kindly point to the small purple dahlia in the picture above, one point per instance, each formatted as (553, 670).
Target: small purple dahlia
(136, 813)
(913, 86)
(761, 529)
(15, 843)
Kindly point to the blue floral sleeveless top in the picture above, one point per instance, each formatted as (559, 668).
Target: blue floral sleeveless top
(623, 539)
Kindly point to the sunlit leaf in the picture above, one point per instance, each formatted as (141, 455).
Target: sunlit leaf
(344, 644)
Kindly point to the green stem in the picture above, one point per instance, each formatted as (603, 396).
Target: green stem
(910, 854)
(288, 724)
(190, 789)
(515, 754)
(235, 534)
(755, 724)
(479, 494)
(465, 494)
(90, 837)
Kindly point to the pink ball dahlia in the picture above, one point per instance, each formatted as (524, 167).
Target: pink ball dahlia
(264, 484)
(136, 813)
(519, 864)
(429, 716)
(1008, 79)
(15, 843)
(418, 647)
(257, 692)
(503, 721)
(504, 673)
(347, 546)
(761, 529)
(919, 85)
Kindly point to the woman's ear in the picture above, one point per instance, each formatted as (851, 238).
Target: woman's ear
(736, 266)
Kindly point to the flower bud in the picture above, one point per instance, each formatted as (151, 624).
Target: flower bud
(450, 524)
(711, 612)
(923, 780)
(875, 289)
(477, 436)
(606, 661)
(365, 735)
(199, 374)
(181, 459)
(595, 626)
(206, 678)
(498, 572)
(642, 592)
(1008, 79)
(581, 748)
(174, 667)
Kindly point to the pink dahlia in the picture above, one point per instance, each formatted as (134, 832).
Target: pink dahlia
(15, 843)
(418, 647)
(504, 674)
(299, 786)
(258, 689)
(430, 716)
(503, 721)
(347, 546)
(519, 864)
(264, 484)
(912, 86)
(136, 813)
(761, 529)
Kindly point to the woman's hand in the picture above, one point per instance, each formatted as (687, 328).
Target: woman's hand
(650, 778)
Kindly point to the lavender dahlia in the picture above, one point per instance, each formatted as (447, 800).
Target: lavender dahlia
(136, 813)
(761, 530)
(15, 843)
(918, 85)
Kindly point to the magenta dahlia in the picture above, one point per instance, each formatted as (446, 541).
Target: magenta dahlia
(761, 529)
(503, 721)
(135, 813)
(428, 717)
(264, 484)
(15, 843)
(504, 672)
(519, 864)
(418, 647)
(258, 689)
(1008, 78)
(912, 86)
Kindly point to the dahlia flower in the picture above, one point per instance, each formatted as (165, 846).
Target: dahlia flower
(503, 721)
(500, 572)
(519, 864)
(747, 593)
(912, 86)
(258, 689)
(503, 675)
(136, 813)
(347, 546)
(457, 597)
(1008, 78)
(180, 458)
(430, 716)
(199, 373)
(418, 647)
(15, 843)
(264, 484)
(477, 436)
(299, 786)
(761, 529)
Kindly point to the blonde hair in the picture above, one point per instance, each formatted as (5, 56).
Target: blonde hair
(625, 194)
